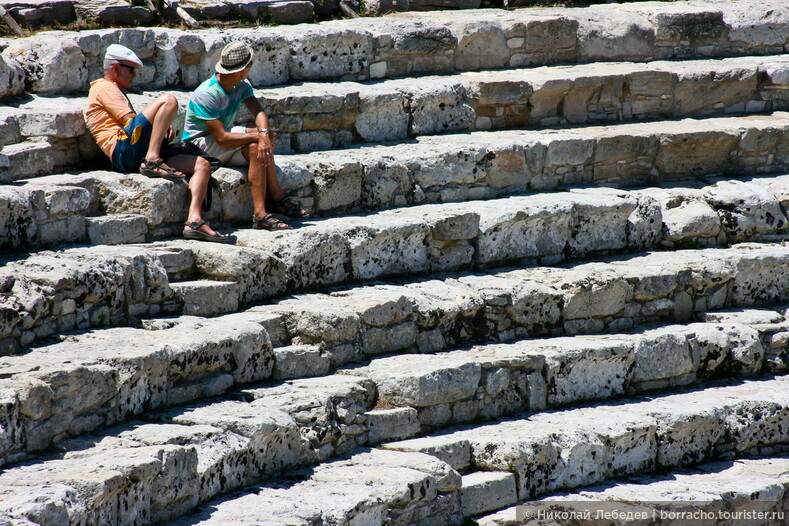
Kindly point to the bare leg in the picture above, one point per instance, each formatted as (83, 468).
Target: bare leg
(198, 185)
(257, 179)
(160, 113)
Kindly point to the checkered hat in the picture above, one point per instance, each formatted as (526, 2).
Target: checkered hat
(235, 57)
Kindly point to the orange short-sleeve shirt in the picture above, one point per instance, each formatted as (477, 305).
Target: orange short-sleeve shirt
(107, 113)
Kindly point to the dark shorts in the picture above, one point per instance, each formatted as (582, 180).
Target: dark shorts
(133, 143)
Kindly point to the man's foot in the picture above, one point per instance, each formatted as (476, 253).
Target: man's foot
(200, 231)
(269, 222)
(288, 207)
(157, 168)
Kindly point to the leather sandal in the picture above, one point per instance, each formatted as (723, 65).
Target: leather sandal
(199, 235)
(157, 168)
(288, 207)
(269, 222)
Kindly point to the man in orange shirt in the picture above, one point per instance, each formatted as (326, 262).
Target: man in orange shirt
(136, 141)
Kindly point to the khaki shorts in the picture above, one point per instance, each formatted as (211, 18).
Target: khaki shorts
(227, 156)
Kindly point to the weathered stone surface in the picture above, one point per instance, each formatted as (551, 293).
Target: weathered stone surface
(743, 486)
(105, 382)
(12, 78)
(487, 491)
(554, 449)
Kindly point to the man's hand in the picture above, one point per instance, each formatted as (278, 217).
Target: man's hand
(265, 145)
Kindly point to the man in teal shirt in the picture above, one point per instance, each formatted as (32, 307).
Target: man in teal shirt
(209, 122)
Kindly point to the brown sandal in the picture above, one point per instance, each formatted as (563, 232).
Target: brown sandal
(199, 235)
(156, 169)
(269, 222)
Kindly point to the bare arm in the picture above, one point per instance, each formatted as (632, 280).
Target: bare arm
(265, 139)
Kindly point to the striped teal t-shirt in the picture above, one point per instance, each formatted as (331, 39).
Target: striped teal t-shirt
(210, 101)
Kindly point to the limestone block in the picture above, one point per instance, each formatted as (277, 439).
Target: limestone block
(158, 200)
(447, 479)
(595, 296)
(298, 361)
(586, 369)
(688, 24)
(690, 432)
(377, 306)
(449, 306)
(487, 491)
(382, 115)
(545, 39)
(69, 229)
(443, 165)
(17, 220)
(385, 183)
(305, 257)
(438, 106)
(450, 223)
(291, 12)
(455, 452)
(619, 157)
(733, 347)
(694, 153)
(391, 424)
(321, 319)
(273, 441)
(329, 51)
(29, 159)
(12, 77)
(422, 380)
(507, 168)
(140, 476)
(407, 46)
(481, 45)
(386, 245)
(61, 124)
(599, 220)
(258, 273)
(757, 25)
(697, 92)
(116, 230)
(112, 12)
(207, 298)
(614, 34)
(51, 64)
(746, 209)
(686, 215)
(662, 354)
(336, 185)
(382, 7)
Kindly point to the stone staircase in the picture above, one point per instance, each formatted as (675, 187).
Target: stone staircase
(546, 265)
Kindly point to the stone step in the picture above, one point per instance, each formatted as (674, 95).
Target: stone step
(316, 116)
(480, 165)
(27, 159)
(408, 44)
(646, 433)
(51, 391)
(368, 487)
(214, 447)
(566, 450)
(207, 298)
(487, 491)
(737, 491)
(544, 229)
(199, 451)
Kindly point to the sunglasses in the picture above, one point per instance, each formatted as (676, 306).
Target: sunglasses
(130, 68)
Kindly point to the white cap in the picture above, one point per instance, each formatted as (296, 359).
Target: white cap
(117, 53)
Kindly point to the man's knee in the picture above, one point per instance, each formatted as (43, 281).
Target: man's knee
(202, 166)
